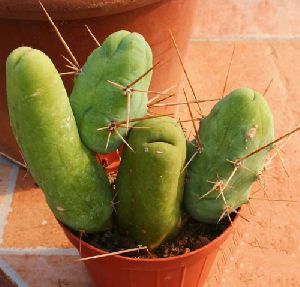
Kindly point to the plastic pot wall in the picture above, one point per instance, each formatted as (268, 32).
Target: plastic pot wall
(22, 22)
(189, 270)
(111, 161)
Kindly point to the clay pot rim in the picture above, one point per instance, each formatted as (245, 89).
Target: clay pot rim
(68, 9)
(214, 244)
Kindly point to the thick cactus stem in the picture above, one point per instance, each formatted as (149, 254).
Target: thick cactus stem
(76, 188)
(97, 101)
(217, 182)
(150, 182)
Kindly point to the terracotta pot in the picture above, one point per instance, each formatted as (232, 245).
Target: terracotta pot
(23, 23)
(189, 270)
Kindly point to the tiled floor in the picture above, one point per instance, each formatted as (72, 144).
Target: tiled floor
(251, 19)
(262, 252)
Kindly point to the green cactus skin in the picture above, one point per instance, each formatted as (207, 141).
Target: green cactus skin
(237, 125)
(149, 184)
(122, 58)
(76, 188)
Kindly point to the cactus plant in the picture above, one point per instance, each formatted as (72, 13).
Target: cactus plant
(218, 181)
(76, 188)
(234, 140)
(149, 184)
(96, 103)
(60, 148)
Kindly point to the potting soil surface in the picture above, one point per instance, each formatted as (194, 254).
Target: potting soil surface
(193, 235)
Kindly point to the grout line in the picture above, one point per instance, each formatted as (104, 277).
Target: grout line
(40, 251)
(12, 274)
(246, 38)
(4, 211)
(5, 161)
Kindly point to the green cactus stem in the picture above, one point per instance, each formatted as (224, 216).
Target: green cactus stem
(75, 187)
(217, 182)
(149, 184)
(97, 103)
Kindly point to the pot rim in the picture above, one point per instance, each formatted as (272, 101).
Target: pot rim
(68, 9)
(217, 241)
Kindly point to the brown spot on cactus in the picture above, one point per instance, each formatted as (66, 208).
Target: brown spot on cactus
(60, 209)
(251, 133)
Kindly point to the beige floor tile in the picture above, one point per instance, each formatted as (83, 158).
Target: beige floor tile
(49, 271)
(250, 19)
(30, 221)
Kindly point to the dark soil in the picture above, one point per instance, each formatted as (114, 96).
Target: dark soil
(5, 281)
(191, 237)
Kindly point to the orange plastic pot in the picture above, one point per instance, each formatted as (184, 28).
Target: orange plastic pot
(22, 22)
(110, 161)
(189, 270)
